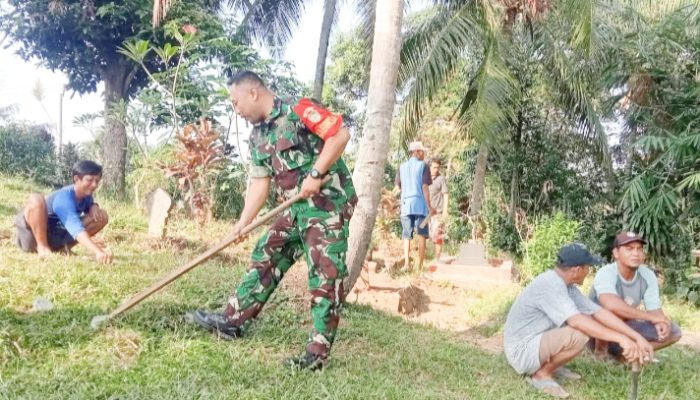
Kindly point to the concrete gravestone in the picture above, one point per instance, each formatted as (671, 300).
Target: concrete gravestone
(158, 206)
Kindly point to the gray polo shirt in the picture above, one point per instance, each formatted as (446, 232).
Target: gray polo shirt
(545, 304)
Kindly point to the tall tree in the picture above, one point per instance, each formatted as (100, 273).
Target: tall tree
(329, 11)
(374, 145)
(81, 38)
(271, 23)
(654, 76)
(482, 33)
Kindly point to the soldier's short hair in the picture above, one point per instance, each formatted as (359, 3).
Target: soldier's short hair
(245, 76)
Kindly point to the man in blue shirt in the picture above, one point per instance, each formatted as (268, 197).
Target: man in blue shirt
(623, 286)
(414, 181)
(65, 217)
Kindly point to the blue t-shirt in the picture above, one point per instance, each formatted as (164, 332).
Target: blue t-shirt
(413, 174)
(65, 210)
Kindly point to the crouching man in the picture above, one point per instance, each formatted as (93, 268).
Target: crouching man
(550, 323)
(65, 217)
(623, 286)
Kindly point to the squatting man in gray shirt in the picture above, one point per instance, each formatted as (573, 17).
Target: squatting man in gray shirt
(551, 321)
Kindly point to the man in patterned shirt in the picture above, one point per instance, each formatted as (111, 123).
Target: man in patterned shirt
(297, 146)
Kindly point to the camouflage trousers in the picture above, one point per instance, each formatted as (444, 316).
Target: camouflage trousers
(322, 237)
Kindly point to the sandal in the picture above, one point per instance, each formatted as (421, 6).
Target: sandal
(548, 386)
(565, 373)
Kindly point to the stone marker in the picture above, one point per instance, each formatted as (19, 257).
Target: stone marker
(41, 304)
(159, 204)
(471, 254)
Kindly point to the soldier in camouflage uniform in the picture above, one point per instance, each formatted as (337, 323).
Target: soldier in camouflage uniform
(297, 145)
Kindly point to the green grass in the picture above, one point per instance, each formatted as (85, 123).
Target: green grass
(152, 352)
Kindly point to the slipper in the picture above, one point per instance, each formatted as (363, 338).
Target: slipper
(549, 386)
(565, 373)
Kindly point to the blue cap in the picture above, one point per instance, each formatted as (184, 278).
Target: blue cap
(574, 254)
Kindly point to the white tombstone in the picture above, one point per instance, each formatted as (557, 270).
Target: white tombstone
(159, 205)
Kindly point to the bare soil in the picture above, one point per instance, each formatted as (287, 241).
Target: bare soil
(442, 305)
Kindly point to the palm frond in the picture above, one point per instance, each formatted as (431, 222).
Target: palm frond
(658, 9)
(573, 94)
(366, 14)
(635, 192)
(493, 96)
(588, 32)
(430, 56)
(570, 65)
(651, 143)
(269, 22)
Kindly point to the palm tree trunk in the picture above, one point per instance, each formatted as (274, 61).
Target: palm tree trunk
(374, 145)
(328, 16)
(479, 177)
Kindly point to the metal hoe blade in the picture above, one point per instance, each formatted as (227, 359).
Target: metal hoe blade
(98, 320)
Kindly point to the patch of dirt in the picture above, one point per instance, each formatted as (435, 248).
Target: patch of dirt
(437, 304)
(167, 243)
(441, 304)
(125, 346)
(112, 349)
(445, 306)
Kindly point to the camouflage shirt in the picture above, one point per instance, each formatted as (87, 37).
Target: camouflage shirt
(286, 145)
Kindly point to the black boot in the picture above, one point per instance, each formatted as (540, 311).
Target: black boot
(217, 322)
(307, 361)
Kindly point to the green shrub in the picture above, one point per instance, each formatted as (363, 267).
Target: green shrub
(228, 192)
(146, 174)
(458, 230)
(598, 229)
(459, 184)
(70, 154)
(28, 150)
(681, 277)
(549, 235)
(500, 234)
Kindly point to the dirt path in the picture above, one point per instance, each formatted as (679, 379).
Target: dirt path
(443, 306)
